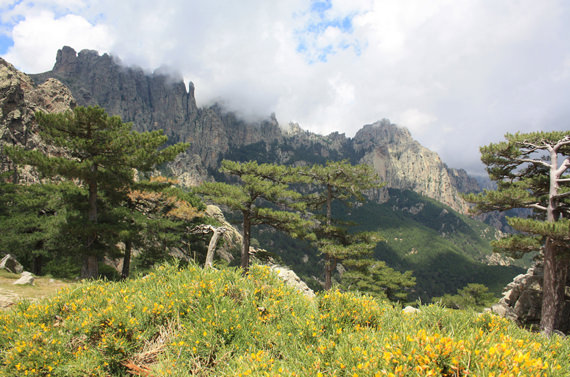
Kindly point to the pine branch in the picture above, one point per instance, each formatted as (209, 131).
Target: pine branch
(565, 165)
(532, 161)
(563, 195)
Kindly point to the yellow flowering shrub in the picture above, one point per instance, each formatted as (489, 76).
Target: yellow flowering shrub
(187, 322)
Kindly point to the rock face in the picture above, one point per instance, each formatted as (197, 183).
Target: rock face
(10, 264)
(155, 101)
(403, 163)
(20, 99)
(159, 101)
(522, 299)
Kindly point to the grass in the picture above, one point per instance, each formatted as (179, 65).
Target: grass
(188, 322)
(43, 287)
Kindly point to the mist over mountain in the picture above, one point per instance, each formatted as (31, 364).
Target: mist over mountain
(160, 101)
(418, 211)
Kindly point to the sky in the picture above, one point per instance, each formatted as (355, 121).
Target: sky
(458, 74)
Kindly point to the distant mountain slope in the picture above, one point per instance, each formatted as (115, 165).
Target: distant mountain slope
(445, 249)
(158, 100)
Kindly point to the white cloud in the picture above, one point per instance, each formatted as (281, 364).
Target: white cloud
(416, 121)
(36, 39)
(472, 69)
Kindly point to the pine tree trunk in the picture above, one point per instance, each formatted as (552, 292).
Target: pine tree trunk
(562, 275)
(37, 265)
(328, 280)
(553, 289)
(245, 243)
(90, 268)
(127, 260)
(330, 260)
(329, 205)
(555, 268)
(330, 266)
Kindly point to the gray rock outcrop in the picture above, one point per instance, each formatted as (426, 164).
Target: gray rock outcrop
(20, 99)
(522, 299)
(290, 278)
(10, 264)
(403, 163)
(27, 278)
(160, 100)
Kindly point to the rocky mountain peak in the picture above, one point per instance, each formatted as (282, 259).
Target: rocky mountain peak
(161, 101)
(404, 163)
(20, 99)
(383, 132)
(65, 60)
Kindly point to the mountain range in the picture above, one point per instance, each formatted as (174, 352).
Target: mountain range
(419, 209)
(159, 100)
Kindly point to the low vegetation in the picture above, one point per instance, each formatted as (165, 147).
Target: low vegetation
(190, 321)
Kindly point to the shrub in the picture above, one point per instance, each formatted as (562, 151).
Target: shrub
(186, 322)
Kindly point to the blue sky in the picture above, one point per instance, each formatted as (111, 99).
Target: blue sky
(457, 74)
(5, 43)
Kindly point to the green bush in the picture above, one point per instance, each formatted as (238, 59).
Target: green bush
(187, 322)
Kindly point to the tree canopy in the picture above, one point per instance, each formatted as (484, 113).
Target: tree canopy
(101, 153)
(262, 196)
(346, 183)
(531, 171)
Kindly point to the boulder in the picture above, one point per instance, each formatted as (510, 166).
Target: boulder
(522, 300)
(27, 278)
(290, 278)
(10, 264)
(410, 310)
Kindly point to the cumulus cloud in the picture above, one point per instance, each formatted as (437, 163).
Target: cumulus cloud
(457, 74)
(41, 33)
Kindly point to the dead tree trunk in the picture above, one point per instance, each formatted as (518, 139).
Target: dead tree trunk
(217, 232)
(212, 246)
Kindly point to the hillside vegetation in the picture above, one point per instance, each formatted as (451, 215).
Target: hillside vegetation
(183, 322)
(445, 250)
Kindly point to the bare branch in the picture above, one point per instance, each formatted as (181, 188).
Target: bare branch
(564, 195)
(561, 143)
(533, 161)
(565, 165)
(533, 147)
(537, 206)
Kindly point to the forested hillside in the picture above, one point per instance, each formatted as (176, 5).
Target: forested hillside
(444, 250)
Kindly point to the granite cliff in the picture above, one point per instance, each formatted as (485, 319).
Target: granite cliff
(20, 98)
(453, 249)
(161, 100)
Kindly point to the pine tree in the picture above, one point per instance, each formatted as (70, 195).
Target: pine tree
(158, 215)
(474, 296)
(262, 196)
(31, 219)
(339, 181)
(375, 278)
(531, 171)
(100, 152)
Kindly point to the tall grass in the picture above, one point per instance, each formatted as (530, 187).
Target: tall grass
(194, 322)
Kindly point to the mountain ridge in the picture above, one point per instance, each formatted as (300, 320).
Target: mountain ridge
(419, 235)
(157, 100)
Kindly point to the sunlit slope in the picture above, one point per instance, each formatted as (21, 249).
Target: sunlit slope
(185, 322)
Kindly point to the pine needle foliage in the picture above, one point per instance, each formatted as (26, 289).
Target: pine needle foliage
(348, 184)
(262, 196)
(101, 153)
(531, 171)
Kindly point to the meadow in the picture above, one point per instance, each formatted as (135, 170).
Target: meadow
(193, 322)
